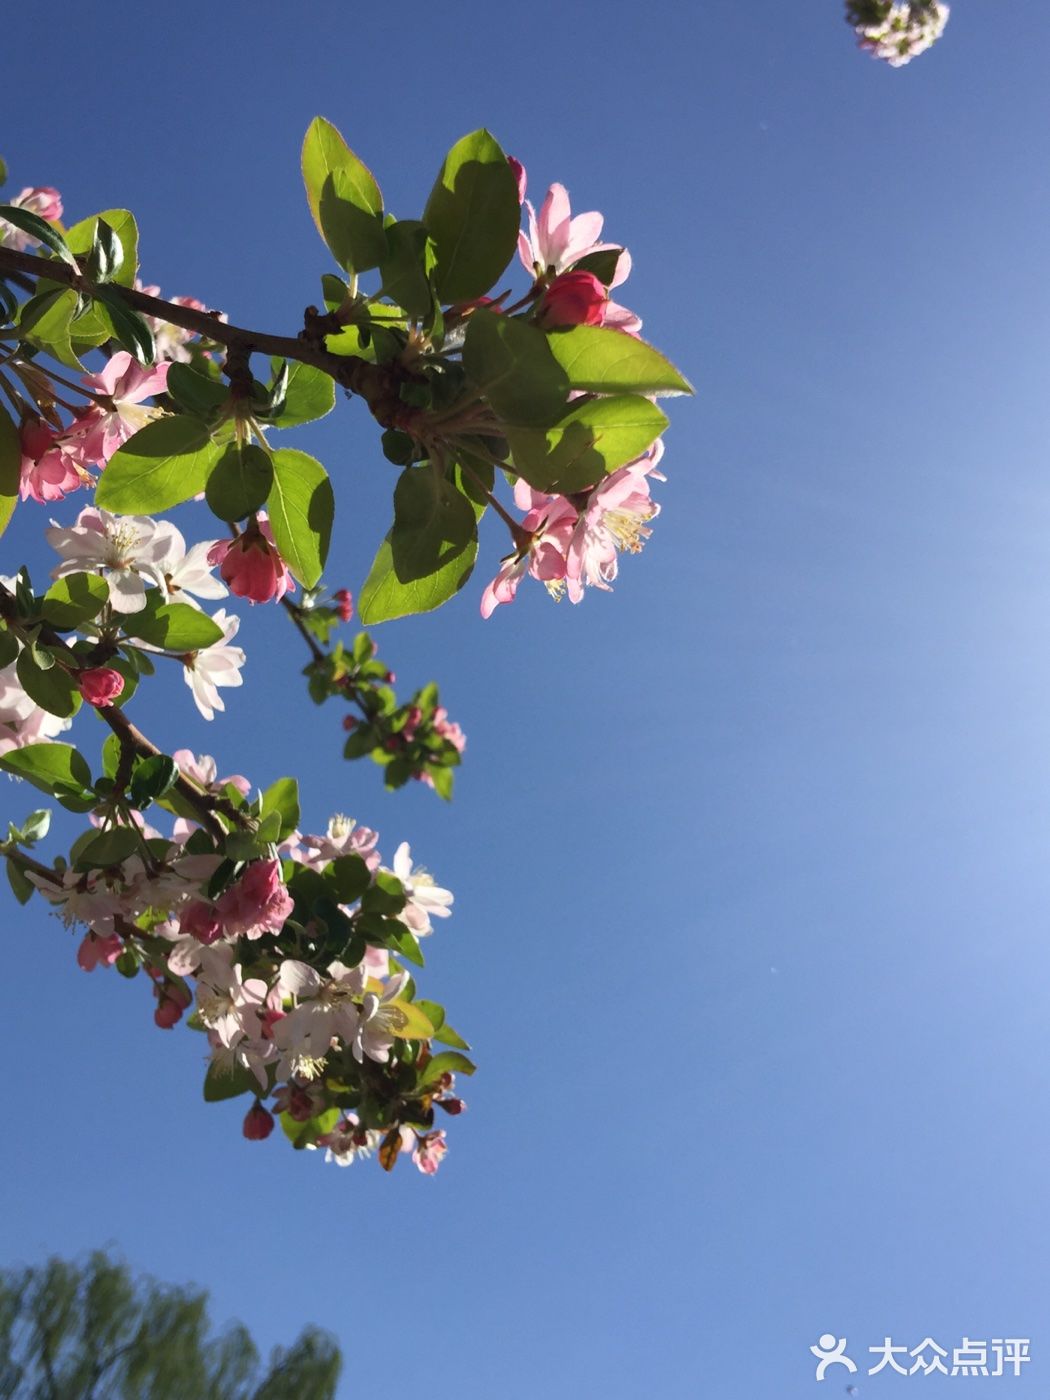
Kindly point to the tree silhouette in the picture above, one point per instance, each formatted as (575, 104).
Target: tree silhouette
(91, 1332)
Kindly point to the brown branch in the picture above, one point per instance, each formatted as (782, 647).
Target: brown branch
(371, 382)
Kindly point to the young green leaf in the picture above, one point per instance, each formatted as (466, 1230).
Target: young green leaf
(309, 394)
(473, 215)
(240, 482)
(301, 507)
(53, 768)
(609, 361)
(104, 848)
(512, 364)
(81, 238)
(433, 523)
(282, 800)
(131, 329)
(384, 596)
(74, 599)
(163, 464)
(344, 199)
(53, 689)
(175, 627)
(590, 441)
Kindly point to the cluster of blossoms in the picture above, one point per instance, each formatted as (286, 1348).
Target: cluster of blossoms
(291, 952)
(332, 1033)
(897, 31)
(571, 542)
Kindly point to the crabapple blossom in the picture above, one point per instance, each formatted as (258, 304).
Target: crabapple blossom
(258, 903)
(49, 470)
(42, 200)
(424, 897)
(127, 550)
(22, 721)
(214, 666)
(378, 1021)
(429, 1152)
(95, 949)
(125, 384)
(251, 565)
(343, 837)
(203, 770)
(186, 574)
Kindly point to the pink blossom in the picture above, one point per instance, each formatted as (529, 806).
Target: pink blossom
(429, 1151)
(258, 1123)
(201, 921)
(573, 299)
(100, 686)
(251, 564)
(202, 769)
(258, 903)
(42, 200)
(49, 468)
(127, 383)
(615, 518)
(548, 527)
(95, 950)
(448, 729)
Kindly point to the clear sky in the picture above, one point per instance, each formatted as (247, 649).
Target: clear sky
(750, 856)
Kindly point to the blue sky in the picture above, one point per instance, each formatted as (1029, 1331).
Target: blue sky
(750, 857)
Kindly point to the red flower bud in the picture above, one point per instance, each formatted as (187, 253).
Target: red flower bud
(574, 299)
(258, 1123)
(344, 603)
(349, 722)
(100, 686)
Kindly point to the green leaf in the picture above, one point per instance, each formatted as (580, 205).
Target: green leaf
(309, 394)
(45, 321)
(53, 689)
(173, 626)
(384, 596)
(74, 599)
(448, 1062)
(350, 877)
(10, 468)
(433, 523)
(39, 229)
(104, 848)
(609, 361)
(447, 1036)
(152, 778)
(82, 236)
(344, 199)
(161, 465)
(8, 647)
(197, 392)
(473, 215)
(130, 328)
(221, 1083)
(511, 362)
(240, 482)
(407, 265)
(282, 800)
(590, 441)
(602, 264)
(22, 888)
(403, 941)
(55, 768)
(301, 507)
(428, 554)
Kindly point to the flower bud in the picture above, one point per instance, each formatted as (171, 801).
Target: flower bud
(349, 722)
(344, 602)
(100, 686)
(574, 299)
(258, 1123)
(251, 566)
(453, 1106)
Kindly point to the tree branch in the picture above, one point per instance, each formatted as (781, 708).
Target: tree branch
(370, 382)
